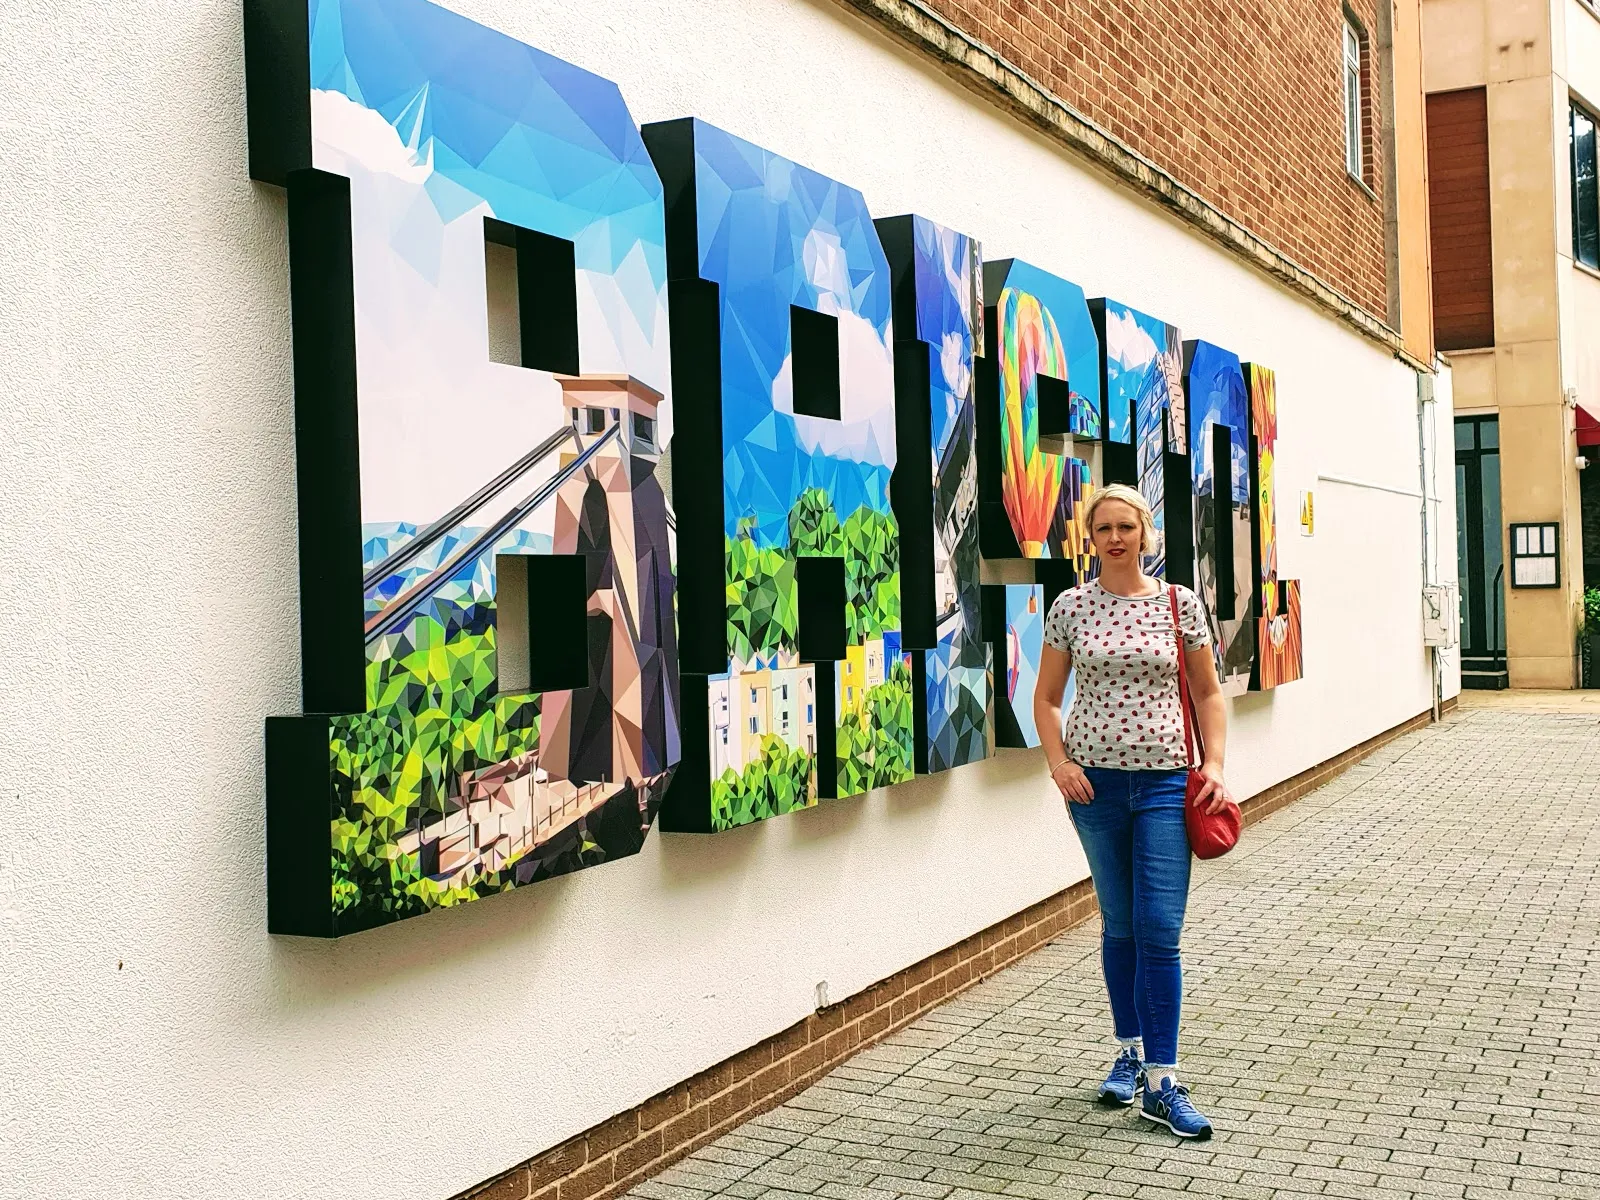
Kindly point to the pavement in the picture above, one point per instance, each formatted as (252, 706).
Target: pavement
(1530, 700)
(1389, 992)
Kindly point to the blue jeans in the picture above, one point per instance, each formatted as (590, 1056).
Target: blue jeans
(1138, 850)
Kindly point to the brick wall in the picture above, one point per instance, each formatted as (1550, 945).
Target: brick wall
(614, 1156)
(1241, 102)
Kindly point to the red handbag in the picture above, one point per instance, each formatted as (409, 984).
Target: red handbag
(1211, 834)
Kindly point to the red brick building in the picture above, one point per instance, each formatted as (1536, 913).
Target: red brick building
(1243, 107)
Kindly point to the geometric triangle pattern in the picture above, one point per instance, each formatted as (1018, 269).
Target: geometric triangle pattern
(1044, 331)
(449, 786)
(1279, 644)
(1144, 402)
(774, 237)
(947, 270)
(1219, 412)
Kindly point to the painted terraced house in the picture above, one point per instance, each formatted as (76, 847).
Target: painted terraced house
(570, 494)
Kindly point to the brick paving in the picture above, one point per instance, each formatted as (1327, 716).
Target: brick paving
(1388, 994)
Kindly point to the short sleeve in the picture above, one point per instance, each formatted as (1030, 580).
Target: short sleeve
(1192, 620)
(1056, 629)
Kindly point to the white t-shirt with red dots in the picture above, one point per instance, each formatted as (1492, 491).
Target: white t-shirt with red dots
(1125, 712)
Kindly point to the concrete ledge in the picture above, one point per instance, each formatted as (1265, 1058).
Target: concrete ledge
(977, 66)
(624, 1151)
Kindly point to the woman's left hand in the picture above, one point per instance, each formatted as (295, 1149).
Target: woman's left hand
(1215, 793)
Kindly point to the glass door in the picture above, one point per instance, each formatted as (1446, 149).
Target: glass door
(1478, 547)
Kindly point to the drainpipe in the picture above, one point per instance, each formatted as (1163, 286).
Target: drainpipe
(1425, 421)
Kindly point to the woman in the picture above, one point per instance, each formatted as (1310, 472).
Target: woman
(1121, 767)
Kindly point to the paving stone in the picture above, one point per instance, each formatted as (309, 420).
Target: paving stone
(1390, 991)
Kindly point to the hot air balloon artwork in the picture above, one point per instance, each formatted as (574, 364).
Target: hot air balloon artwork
(1031, 478)
(1044, 381)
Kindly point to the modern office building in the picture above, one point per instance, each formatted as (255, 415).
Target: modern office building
(1513, 93)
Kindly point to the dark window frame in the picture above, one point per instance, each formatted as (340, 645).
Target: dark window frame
(1585, 208)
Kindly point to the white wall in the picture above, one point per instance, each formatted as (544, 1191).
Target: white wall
(1439, 470)
(156, 1042)
(1581, 30)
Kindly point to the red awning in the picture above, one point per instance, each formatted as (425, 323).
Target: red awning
(1588, 427)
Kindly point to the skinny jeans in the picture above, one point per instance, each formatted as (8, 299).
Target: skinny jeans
(1138, 850)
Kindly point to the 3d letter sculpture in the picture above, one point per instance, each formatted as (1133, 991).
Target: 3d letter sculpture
(1039, 380)
(1146, 422)
(1219, 443)
(795, 682)
(451, 747)
(1277, 601)
(938, 319)
(532, 341)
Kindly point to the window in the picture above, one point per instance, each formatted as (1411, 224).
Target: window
(810, 714)
(644, 430)
(1352, 100)
(752, 724)
(595, 419)
(785, 690)
(1585, 190)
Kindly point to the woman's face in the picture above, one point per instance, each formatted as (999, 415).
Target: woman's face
(1117, 531)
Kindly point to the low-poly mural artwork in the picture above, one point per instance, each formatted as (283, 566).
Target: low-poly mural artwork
(1279, 651)
(432, 782)
(803, 395)
(640, 472)
(1014, 619)
(938, 288)
(1144, 406)
(1219, 446)
(1041, 379)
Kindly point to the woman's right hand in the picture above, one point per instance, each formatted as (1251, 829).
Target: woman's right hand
(1074, 784)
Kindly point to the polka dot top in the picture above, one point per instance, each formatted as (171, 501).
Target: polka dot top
(1125, 710)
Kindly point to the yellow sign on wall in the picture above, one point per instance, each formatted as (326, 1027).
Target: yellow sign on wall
(1308, 514)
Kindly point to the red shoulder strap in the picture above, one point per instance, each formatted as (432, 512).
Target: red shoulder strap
(1191, 740)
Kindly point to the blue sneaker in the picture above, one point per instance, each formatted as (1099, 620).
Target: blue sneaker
(1170, 1106)
(1120, 1087)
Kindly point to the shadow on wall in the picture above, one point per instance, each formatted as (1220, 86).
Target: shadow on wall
(687, 872)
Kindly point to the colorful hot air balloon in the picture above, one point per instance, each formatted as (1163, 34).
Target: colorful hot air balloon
(1030, 478)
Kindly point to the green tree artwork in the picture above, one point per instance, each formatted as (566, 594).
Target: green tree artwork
(432, 716)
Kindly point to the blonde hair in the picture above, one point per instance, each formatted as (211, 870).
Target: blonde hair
(1148, 543)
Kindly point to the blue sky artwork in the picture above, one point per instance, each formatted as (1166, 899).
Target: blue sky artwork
(1217, 396)
(1066, 304)
(438, 123)
(773, 233)
(1136, 385)
(547, 145)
